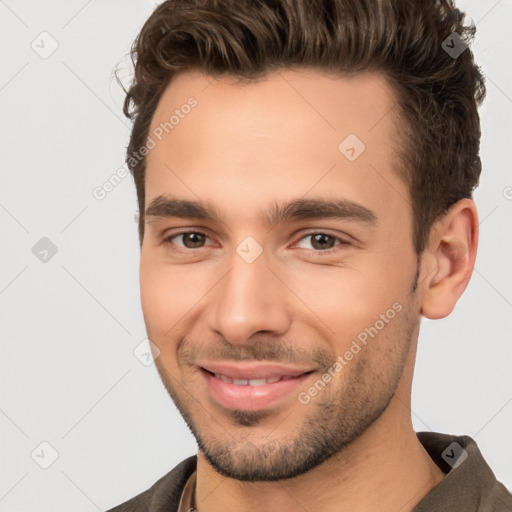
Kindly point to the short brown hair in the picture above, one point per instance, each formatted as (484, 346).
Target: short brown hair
(437, 94)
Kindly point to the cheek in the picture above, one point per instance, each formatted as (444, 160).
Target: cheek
(345, 302)
(169, 295)
(164, 303)
(160, 300)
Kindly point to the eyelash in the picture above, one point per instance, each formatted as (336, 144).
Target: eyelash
(167, 241)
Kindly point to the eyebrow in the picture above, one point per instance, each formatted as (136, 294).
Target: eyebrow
(299, 209)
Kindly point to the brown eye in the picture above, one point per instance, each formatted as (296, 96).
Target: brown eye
(321, 242)
(189, 240)
(193, 240)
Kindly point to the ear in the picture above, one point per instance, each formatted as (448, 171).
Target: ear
(449, 259)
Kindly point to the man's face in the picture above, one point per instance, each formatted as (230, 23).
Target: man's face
(304, 291)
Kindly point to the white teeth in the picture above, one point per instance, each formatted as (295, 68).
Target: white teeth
(248, 382)
(258, 382)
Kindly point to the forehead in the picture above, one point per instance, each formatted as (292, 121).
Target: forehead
(284, 135)
(330, 101)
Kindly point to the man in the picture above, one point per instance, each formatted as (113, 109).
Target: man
(304, 172)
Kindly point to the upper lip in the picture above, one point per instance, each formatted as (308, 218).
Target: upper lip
(253, 370)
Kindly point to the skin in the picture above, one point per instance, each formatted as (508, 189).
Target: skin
(242, 148)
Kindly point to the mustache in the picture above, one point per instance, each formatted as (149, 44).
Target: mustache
(275, 351)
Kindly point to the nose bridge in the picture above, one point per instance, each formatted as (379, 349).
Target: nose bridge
(249, 298)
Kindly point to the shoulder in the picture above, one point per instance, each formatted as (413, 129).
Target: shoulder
(469, 483)
(164, 494)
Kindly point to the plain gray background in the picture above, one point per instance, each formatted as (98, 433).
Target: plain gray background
(69, 376)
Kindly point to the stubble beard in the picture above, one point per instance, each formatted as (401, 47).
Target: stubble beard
(318, 430)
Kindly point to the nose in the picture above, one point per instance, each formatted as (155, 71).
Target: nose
(249, 299)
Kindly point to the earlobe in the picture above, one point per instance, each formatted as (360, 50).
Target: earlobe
(451, 257)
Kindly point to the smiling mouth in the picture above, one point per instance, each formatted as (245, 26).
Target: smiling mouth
(253, 389)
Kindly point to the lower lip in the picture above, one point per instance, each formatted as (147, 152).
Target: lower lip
(251, 398)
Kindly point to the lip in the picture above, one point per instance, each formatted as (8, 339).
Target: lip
(254, 370)
(252, 398)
